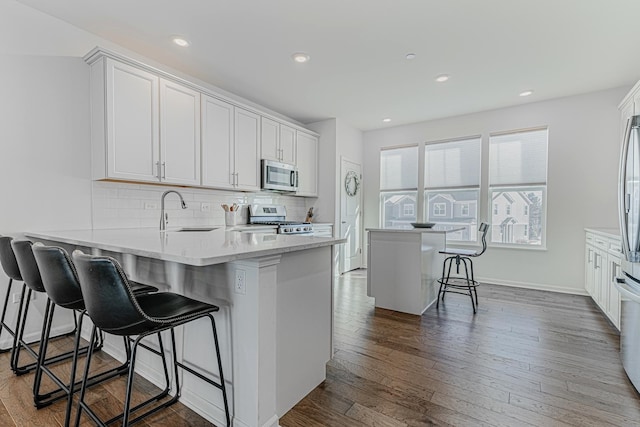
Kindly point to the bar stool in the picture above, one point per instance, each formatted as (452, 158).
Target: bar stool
(11, 269)
(466, 285)
(60, 280)
(114, 308)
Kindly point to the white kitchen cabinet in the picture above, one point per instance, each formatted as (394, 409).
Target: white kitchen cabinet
(278, 141)
(179, 133)
(602, 266)
(124, 114)
(230, 146)
(144, 128)
(218, 167)
(307, 156)
(247, 150)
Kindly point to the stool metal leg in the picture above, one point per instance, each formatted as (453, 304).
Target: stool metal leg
(3, 325)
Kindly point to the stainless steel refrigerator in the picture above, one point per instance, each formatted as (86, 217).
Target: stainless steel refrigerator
(629, 285)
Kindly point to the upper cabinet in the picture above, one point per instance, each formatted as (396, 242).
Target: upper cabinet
(179, 134)
(307, 148)
(124, 115)
(144, 128)
(247, 150)
(150, 126)
(230, 146)
(278, 141)
(217, 143)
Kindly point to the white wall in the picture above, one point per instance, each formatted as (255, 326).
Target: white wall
(582, 180)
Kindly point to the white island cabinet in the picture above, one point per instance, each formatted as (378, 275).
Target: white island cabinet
(275, 328)
(404, 266)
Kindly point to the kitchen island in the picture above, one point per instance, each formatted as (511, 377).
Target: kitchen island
(403, 267)
(275, 319)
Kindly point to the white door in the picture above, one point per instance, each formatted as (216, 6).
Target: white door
(287, 144)
(350, 215)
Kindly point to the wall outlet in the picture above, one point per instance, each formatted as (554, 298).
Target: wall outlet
(205, 207)
(151, 205)
(240, 284)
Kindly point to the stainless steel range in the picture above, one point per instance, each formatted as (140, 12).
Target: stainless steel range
(261, 214)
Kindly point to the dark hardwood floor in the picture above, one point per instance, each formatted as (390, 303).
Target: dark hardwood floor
(527, 358)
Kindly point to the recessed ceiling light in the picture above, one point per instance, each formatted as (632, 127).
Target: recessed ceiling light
(387, 120)
(526, 93)
(442, 78)
(300, 57)
(411, 56)
(180, 41)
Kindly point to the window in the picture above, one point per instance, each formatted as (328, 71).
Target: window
(398, 187)
(439, 209)
(518, 179)
(408, 209)
(452, 179)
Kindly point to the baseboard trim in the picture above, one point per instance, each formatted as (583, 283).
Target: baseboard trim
(535, 286)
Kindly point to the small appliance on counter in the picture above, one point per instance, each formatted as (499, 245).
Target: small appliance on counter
(278, 176)
(262, 214)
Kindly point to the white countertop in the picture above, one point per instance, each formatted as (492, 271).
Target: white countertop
(607, 232)
(193, 248)
(434, 230)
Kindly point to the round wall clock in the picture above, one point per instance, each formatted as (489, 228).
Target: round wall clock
(351, 183)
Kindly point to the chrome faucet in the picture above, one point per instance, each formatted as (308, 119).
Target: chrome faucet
(164, 217)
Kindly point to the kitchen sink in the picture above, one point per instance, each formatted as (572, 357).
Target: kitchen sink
(192, 229)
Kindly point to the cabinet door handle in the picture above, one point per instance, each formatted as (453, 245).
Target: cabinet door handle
(158, 171)
(164, 170)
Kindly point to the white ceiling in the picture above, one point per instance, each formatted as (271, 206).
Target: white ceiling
(493, 50)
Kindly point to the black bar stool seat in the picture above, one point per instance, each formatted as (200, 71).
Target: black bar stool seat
(114, 308)
(465, 285)
(11, 269)
(60, 279)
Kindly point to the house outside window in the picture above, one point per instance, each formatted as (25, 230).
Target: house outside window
(398, 187)
(518, 179)
(452, 186)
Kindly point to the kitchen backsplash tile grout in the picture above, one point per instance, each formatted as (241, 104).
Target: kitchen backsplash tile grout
(126, 205)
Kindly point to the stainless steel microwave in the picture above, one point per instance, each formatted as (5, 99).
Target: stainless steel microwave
(279, 176)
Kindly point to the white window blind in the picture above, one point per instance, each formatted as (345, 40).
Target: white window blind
(452, 164)
(399, 168)
(518, 158)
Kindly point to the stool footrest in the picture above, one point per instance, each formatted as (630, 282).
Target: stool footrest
(458, 282)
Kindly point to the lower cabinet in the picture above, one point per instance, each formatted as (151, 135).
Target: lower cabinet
(602, 266)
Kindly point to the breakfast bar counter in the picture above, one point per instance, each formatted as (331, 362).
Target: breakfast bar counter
(403, 267)
(275, 320)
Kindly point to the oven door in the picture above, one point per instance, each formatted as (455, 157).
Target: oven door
(279, 176)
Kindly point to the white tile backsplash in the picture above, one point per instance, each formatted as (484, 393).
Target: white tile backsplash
(126, 205)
